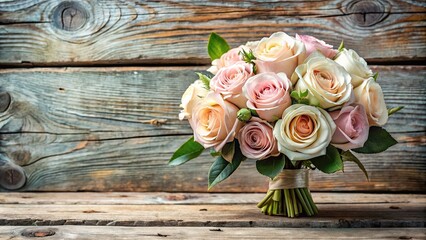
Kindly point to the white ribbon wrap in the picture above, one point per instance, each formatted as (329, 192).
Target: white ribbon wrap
(290, 178)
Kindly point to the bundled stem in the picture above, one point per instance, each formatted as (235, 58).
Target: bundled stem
(288, 202)
(291, 202)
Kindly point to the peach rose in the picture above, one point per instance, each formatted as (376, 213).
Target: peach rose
(313, 44)
(227, 59)
(257, 140)
(351, 127)
(279, 53)
(214, 121)
(269, 94)
(328, 83)
(355, 65)
(229, 82)
(304, 132)
(192, 95)
(369, 94)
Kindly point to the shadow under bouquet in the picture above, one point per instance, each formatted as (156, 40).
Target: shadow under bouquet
(292, 104)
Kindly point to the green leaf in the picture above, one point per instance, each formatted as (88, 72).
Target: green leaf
(189, 150)
(271, 166)
(304, 93)
(341, 46)
(204, 79)
(330, 162)
(247, 56)
(222, 169)
(394, 110)
(213, 153)
(228, 151)
(378, 141)
(375, 76)
(295, 95)
(349, 157)
(216, 46)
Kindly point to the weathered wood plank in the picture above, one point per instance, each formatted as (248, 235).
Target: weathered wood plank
(372, 213)
(159, 198)
(92, 130)
(131, 233)
(123, 32)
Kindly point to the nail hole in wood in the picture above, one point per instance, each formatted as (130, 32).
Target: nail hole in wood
(5, 100)
(38, 233)
(70, 16)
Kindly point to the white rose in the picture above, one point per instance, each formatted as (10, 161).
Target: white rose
(328, 83)
(370, 95)
(304, 132)
(193, 94)
(355, 65)
(279, 53)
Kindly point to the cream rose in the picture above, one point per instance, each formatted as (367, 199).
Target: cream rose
(268, 94)
(214, 121)
(229, 82)
(369, 94)
(304, 132)
(328, 83)
(257, 140)
(193, 94)
(355, 65)
(279, 53)
(227, 59)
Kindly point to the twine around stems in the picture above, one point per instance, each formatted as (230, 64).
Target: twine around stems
(289, 179)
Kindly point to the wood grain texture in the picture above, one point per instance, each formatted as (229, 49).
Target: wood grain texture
(131, 233)
(400, 211)
(49, 32)
(114, 129)
(162, 198)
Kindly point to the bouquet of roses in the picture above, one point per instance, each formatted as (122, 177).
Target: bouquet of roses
(292, 104)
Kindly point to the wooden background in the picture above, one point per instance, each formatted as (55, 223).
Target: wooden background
(89, 90)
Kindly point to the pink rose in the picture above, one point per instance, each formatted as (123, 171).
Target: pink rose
(269, 94)
(313, 44)
(229, 82)
(351, 127)
(214, 121)
(257, 140)
(279, 53)
(227, 59)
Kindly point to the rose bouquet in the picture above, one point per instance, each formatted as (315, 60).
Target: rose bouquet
(292, 104)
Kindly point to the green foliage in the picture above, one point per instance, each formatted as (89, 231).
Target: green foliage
(271, 166)
(349, 157)
(394, 110)
(300, 96)
(216, 46)
(375, 76)
(341, 46)
(331, 162)
(189, 150)
(378, 141)
(222, 169)
(205, 80)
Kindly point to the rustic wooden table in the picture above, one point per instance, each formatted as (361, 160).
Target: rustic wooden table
(89, 97)
(206, 216)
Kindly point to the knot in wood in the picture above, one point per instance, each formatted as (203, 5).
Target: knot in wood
(5, 100)
(12, 177)
(365, 13)
(70, 16)
(21, 157)
(38, 233)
